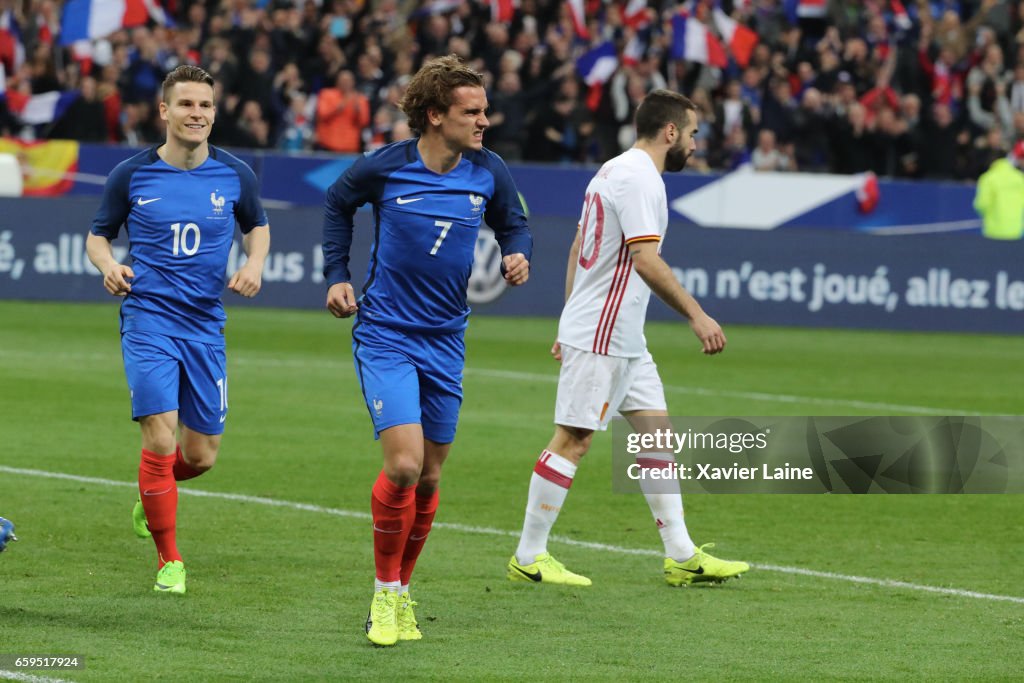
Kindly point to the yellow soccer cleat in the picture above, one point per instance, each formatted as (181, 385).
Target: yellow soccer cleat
(544, 569)
(171, 578)
(702, 568)
(382, 621)
(408, 628)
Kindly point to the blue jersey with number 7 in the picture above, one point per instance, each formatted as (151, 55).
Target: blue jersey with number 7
(425, 230)
(180, 227)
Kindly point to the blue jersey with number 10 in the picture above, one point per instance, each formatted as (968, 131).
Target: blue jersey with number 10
(425, 230)
(180, 227)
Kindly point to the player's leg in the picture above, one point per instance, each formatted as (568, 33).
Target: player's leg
(549, 486)
(203, 411)
(440, 363)
(644, 407)
(152, 370)
(390, 387)
(587, 384)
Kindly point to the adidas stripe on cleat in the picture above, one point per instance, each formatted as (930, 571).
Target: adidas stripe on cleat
(702, 568)
(544, 569)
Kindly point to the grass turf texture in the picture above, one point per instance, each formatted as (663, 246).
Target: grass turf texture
(281, 593)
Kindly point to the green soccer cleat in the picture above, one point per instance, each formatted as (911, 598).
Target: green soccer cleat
(544, 569)
(701, 568)
(408, 629)
(171, 578)
(139, 523)
(382, 621)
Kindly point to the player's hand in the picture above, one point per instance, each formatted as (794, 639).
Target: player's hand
(341, 300)
(115, 279)
(247, 280)
(710, 334)
(517, 269)
(556, 351)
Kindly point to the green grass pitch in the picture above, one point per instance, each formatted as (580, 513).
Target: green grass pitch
(280, 591)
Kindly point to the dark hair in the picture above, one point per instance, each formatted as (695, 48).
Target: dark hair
(432, 88)
(185, 74)
(660, 108)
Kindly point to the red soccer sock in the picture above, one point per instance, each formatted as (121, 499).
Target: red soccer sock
(159, 495)
(426, 507)
(182, 470)
(394, 510)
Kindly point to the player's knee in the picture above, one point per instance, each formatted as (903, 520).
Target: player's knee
(403, 470)
(200, 459)
(428, 482)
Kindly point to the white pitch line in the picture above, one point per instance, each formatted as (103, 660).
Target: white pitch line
(489, 531)
(322, 364)
(28, 678)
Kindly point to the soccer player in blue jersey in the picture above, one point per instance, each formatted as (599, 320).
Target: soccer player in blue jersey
(429, 196)
(6, 533)
(179, 203)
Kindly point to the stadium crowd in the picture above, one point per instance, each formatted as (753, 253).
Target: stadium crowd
(930, 88)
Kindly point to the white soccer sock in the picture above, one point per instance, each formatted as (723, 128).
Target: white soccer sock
(392, 586)
(549, 485)
(404, 589)
(666, 503)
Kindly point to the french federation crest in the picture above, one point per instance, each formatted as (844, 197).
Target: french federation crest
(476, 200)
(218, 203)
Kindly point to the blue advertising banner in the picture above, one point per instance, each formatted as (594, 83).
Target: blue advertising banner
(741, 199)
(793, 277)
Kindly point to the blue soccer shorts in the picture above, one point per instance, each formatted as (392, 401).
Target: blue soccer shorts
(166, 373)
(410, 378)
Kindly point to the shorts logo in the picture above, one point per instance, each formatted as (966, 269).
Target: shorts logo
(378, 406)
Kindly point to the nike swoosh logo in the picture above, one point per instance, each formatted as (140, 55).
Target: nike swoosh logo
(408, 201)
(698, 570)
(385, 531)
(143, 202)
(532, 577)
(157, 493)
(416, 538)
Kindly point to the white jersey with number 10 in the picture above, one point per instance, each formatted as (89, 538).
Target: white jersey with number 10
(625, 203)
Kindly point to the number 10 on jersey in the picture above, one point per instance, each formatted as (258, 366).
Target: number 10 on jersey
(186, 239)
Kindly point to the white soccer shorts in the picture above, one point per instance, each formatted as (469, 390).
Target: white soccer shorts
(592, 388)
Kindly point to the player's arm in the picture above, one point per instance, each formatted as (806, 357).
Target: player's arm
(653, 270)
(113, 211)
(249, 278)
(348, 193)
(506, 217)
(570, 278)
(115, 275)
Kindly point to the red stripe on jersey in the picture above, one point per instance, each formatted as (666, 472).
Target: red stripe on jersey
(544, 471)
(644, 238)
(654, 463)
(615, 313)
(609, 301)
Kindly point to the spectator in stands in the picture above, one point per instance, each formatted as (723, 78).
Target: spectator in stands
(85, 119)
(999, 198)
(507, 132)
(341, 114)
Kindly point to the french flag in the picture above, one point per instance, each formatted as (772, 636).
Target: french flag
(805, 9)
(90, 19)
(45, 107)
(634, 51)
(598, 64)
(12, 45)
(740, 39)
(579, 18)
(635, 14)
(692, 41)
(595, 67)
